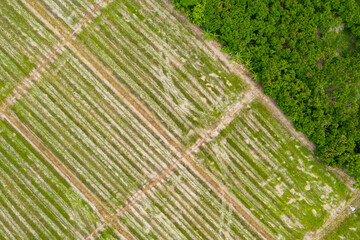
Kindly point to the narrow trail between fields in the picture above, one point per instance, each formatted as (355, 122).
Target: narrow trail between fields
(338, 217)
(56, 50)
(187, 160)
(138, 108)
(38, 145)
(63, 33)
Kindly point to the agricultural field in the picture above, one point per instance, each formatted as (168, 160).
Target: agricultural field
(272, 174)
(24, 43)
(134, 128)
(35, 201)
(184, 208)
(69, 12)
(102, 142)
(349, 229)
(161, 62)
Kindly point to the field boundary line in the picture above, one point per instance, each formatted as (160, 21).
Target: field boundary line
(56, 50)
(164, 174)
(64, 172)
(151, 120)
(334, 221)
(40, 147)
(240, 70)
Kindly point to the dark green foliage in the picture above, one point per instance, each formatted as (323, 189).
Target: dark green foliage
(194, 10)
(306, 54)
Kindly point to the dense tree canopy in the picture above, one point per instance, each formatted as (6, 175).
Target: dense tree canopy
(306, 54)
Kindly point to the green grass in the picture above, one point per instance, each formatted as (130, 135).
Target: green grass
(109, 234)
(24, 42)
(36, 201)
(348, 230)
(268, 170)
(184, 208)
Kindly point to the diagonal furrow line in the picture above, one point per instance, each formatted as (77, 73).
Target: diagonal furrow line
(38, 145)
(171, 142)
(26, 84)
(34, 75)
(67, 174)
(138, 108)
(163, 175)
(339, 217)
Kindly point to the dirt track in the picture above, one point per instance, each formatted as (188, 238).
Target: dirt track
(187, 160)
(147, 116)
(57, 164)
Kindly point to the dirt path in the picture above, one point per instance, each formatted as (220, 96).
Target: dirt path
(339, 216)
(186, 159)
(38, 145)
(34, 75)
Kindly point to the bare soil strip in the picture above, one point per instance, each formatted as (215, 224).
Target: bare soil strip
(270, 104)
(122, 230)
(245, 75)
(186, 159)
(38, 145)
(49, 21)
(339, 216)
(24, 86)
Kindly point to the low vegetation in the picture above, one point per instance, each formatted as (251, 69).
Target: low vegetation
(349, 229)
(306, 55)
(272, 174)
(36, 202)
(118, 122)
(24, 43)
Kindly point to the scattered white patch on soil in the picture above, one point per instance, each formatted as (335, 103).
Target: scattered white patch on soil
(279, 190)
(203, 100)
(314, 212)
(292, 200)
(227, 235)
(328, 188)
(213, 75)
(327, 207)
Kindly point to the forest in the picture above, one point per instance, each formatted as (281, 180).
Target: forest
(305, 54)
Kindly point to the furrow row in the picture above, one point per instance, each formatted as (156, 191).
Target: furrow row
(102, 142)
(36, 202)
(184, 208)
(24, 44)
(271, 174)
(187, 96)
